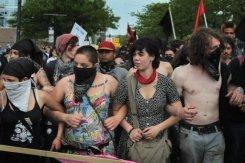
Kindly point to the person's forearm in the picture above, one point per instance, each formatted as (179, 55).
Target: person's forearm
(172, 120)
(121, 113)
(56, 115)
(126, 126)
(60, 130)
(173, 110)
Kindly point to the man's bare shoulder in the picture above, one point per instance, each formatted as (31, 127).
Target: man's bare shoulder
(165, 64)
(181, 71)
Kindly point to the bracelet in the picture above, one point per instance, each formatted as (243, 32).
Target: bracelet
(58, 138)
(130, 131)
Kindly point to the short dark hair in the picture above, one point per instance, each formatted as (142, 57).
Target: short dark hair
(227, 24)
(151, 46)
(175, 44)
(230, 41)
(90, 52)
(200, 42)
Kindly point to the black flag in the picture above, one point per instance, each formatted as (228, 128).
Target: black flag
(240, 30)
(166, 24)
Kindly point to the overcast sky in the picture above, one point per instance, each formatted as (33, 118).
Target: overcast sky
(123, 8)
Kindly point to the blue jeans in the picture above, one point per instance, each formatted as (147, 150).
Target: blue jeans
(205, 148)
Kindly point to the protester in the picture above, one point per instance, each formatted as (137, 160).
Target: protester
(164, 67)
(145, 137)
(168, 55)
(26, 48)
(107, 64)
(199, 82)
(234, 113)
(229, 47)
(87, 92)
(66, 46)
(228, 29)
(21, 111)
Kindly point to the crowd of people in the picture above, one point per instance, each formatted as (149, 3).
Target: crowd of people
(147, 102)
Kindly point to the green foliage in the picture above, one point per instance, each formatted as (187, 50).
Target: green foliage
(92, 15)
(148, 20)
(183, 12)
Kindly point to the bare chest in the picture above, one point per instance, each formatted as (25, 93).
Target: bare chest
(201, 84)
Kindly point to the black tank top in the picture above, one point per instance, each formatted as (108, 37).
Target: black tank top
(15, 133)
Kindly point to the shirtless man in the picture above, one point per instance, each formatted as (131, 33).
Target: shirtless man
(199, 82)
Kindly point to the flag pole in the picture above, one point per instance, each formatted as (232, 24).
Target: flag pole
(205, 20)
(172, 23)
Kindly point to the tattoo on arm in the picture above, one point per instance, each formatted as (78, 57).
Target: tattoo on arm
(42, 78)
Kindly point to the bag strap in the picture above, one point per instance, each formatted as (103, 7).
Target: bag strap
(98, 115)
(132, 83)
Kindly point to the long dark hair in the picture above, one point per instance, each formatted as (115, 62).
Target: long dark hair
(200, 43)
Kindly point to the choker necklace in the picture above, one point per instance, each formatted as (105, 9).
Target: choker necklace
(142, 80)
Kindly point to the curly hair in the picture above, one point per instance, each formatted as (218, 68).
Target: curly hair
(151, 46)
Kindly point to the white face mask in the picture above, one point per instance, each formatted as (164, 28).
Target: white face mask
(19, 93)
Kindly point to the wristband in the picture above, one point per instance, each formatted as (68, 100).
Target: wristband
(58, 138)
(130, 131)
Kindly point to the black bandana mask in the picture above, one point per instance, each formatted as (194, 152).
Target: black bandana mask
(106, 67)
(84, 78)
(168, 59)
(211, 63)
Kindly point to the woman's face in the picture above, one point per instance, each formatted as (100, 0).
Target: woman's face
(82, 61)
(71, 51)
(142, 60)
(227, 51)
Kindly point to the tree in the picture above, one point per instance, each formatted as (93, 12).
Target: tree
(92, 15)
(148, 21)
(183, 12)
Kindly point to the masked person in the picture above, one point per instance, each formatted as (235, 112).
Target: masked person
(107, 64)
(87, 92)
(169, 55)
(26, 48)
(21, 111)
(200, 83)
(65, 46)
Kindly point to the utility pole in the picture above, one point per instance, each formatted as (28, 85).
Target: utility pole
(18, 21)
(53, 29)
